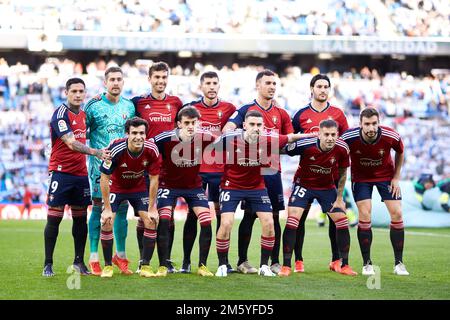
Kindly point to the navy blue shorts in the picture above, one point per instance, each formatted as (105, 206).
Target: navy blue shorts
(65, 188)
(211, 180)
(258, 200)
(363, 190)
(193, 197)
(302, 197)
(138, 200)
(274, 186)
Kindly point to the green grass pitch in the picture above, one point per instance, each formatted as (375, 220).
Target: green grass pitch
(427, 257)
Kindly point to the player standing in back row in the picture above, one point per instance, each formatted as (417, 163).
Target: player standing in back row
(307, 120)
(68, 180)
(160, 110)
(106, 115)
(372, 166)
(214, 114)
(275, 119)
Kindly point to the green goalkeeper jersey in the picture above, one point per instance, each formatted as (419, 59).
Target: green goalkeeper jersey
(106, 123)
(106, 120)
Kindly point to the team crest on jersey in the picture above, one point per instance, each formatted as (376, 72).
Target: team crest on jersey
(62, 125)
(124, 116)
(169, 107)
(381, 152)
(219, 114)
(145, 163)
(291, 146)
(107, 164)
(274, 119)
(333, 160)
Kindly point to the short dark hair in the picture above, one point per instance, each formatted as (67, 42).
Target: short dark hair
(368, 113)
(112, 69)
(328, 123)
(135, 122)
(319, 77)
(208, 74)
(72, 81)
(265, 72)
(158, 66)
(253, 113)
(188, 112)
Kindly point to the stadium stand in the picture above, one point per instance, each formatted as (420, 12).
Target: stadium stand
(320, 17)
(415, 106)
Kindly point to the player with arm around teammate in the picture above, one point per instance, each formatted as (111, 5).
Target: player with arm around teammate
(68, 178)
(276, 120)
(246, 153)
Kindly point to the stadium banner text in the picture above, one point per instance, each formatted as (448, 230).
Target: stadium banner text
(225, 43)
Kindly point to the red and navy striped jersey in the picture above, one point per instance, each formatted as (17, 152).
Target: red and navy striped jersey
(372, 162)
(317, 168)
(213, 119)
(63, 159)
(160, 114)
(244, 162)
(275, 118)
(127, 169)
(307, 119)
(181, 160)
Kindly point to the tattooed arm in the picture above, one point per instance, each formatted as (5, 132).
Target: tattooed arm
(75, 145)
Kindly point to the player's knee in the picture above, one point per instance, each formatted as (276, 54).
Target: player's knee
(107, 226)
(336, 216)
(226, 224)
(267, 224)
(147, 222)
(396, 215)
(364, 215)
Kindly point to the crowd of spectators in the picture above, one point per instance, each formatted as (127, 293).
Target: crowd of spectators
(319, 17)
(417, 107)
(420, 18)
